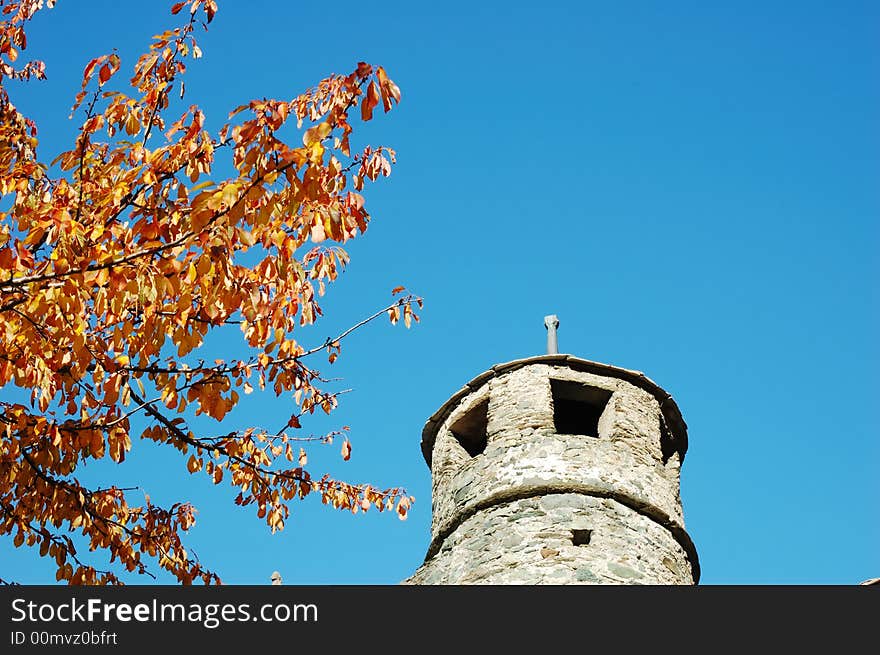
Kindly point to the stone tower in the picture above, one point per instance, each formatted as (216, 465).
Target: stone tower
(557, 470)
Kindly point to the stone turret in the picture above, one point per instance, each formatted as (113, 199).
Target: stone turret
(557, 470)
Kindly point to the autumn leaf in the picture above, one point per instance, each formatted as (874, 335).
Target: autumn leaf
(316, 134)
(371, 99)
(389, 89)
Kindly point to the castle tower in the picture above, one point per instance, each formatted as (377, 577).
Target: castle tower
(557, 470)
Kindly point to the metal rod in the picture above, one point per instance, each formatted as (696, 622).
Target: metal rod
(551, 323)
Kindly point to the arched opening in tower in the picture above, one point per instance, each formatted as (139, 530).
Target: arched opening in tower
(577, 407)
(471, 429)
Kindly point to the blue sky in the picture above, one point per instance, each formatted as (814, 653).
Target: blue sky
(691, 187)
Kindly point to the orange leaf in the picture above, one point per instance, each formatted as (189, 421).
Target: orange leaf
(389, 89)
(346, 450)
(370, 101)
(90, 67)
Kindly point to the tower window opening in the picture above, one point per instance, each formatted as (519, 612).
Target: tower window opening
(667, 442)
(577, 407)
(581, 537)
(470, 430)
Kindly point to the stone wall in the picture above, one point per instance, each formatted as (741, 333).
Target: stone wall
(514, 512)
(530, 541)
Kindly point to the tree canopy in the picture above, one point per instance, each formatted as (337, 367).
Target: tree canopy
(120, 255)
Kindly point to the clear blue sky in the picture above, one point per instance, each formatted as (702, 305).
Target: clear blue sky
(692, 187)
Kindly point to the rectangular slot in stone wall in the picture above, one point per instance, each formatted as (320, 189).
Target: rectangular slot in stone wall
(471, 429)
(577, 407)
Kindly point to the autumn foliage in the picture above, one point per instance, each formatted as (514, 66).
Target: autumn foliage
(118, 257)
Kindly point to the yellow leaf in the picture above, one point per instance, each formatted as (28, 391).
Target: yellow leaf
(246, 237)
(316, 133)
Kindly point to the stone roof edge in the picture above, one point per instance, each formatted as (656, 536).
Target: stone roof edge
(671, 413)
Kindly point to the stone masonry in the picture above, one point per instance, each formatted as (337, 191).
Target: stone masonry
(557, 470)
